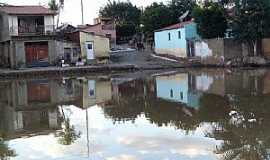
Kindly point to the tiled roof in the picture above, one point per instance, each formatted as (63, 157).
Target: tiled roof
(26, 10)
(174, 26)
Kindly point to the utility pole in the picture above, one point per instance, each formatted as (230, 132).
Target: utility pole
(82, 11)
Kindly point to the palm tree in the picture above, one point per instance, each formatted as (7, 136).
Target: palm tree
(54, 6)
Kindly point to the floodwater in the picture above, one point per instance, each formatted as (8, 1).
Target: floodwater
(200, 114)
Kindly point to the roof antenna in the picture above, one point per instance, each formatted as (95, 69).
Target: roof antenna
(181, 18)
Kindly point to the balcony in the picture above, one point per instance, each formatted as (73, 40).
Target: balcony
(32, 30)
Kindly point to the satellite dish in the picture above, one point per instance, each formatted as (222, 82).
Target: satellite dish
(181, 18)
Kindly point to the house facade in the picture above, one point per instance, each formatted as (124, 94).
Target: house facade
(176, 40)
(104, 27)
(93, 48)
(27, 36)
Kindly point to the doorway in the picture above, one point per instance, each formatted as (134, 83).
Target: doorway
(90, 50)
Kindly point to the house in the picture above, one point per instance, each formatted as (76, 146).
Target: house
(176, 40)
(93, 48)
(27, 36)
(102, 26)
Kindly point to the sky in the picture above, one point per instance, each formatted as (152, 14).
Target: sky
(71, 12)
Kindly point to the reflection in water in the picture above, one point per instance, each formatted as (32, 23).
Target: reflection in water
(5, 151)
(68, 135)
(195, 115)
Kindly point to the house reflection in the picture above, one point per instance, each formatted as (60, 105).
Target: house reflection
(96, 92)
(30, 107)
(188, 88)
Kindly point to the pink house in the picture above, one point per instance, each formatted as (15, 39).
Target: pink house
(102, 26)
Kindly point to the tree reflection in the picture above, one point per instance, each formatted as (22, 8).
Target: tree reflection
(162, 112)
(245, 131)
(5, 151)
(69, 134)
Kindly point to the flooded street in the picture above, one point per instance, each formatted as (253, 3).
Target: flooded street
(199, 114)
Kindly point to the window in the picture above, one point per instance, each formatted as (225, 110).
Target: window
(179, 34)
(169, 36)
(89, 46)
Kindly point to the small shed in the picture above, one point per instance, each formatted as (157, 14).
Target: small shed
(93, 47)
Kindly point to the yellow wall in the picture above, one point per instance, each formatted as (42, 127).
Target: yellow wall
(101, 44)
(103, 93)
(266, 47)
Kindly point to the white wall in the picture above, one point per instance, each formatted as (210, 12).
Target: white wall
(49, 23)
(13, 25)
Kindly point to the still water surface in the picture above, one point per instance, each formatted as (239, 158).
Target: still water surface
(202, 115)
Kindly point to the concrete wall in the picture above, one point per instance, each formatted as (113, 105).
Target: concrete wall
(232, 49)
(211, 51)
(175, 46)
(60, 49)
(4, 28)
(18, 56)
(217, 51)
(101, 45)
(20, 53)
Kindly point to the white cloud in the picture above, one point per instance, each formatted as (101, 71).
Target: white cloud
(122, 157)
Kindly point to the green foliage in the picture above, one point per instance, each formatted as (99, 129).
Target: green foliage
(5, 151)
(53, 5)
(125, 30)
(121, 12)
(251, 20)
(156, 16)
(179, 7)
(69, 134)
(125, 15)
(211, 20)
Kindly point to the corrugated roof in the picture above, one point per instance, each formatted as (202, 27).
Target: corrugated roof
(26, 10)
(174, 26)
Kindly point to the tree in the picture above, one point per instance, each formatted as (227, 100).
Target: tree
(53, 5)
(125, 15)
(211, 20)
(179, 7)
(245, 133)
(251, 22)
(156, 16)
(69, 134)
(121, 12)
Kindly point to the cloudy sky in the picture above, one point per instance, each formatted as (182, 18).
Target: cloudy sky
(71, 12)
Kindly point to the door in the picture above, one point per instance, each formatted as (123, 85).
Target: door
(36, 53)
(90, 50)
(190, 48)
(92, 88)
(38, 91)
(67, 55)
